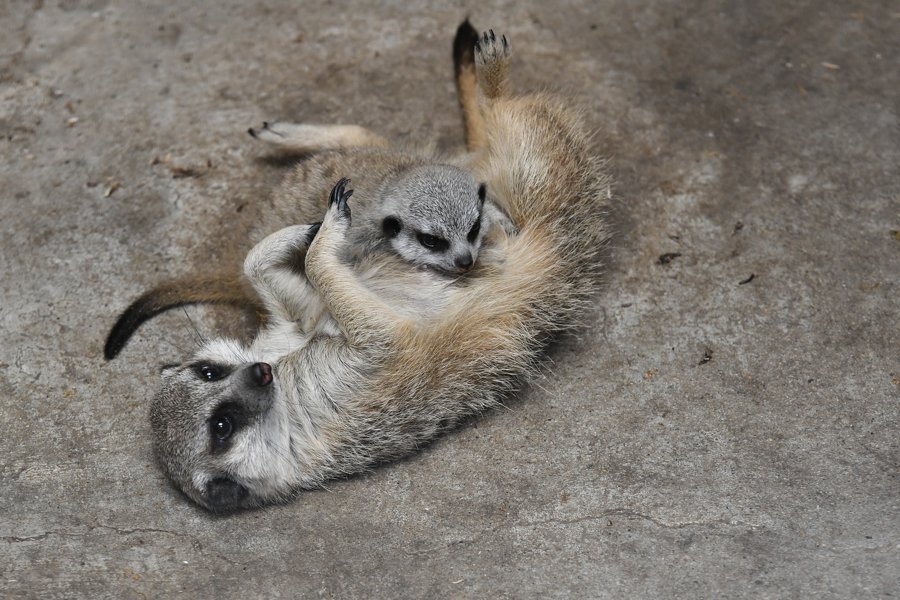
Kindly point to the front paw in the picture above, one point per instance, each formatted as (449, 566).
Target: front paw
(337, 201)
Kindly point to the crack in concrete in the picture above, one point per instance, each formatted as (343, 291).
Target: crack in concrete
(618, 512)
(195, 542)
(12, 539)
(623, 512)
(68, 533)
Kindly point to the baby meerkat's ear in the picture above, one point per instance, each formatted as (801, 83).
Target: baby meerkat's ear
(482, 192)
(391, 226)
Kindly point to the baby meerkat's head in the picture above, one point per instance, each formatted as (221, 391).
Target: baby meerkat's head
(212, 423)
(433, 217)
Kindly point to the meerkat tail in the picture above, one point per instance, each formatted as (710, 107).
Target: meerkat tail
(308, 138)
(467, 84)
(217, 289)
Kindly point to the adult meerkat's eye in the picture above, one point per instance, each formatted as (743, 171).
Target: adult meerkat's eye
(221, 427)
(209, 372)
(432, 243)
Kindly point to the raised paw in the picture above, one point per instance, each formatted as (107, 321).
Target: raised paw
(337, 200)
(490, 49)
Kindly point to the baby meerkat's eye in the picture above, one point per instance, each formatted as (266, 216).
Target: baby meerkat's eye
(433, 243)
(473, 233)
(209, 372)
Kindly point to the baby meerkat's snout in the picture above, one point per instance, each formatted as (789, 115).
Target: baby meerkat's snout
(464, 262)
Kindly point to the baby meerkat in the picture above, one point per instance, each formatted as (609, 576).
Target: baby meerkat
(431, 214)
(240, 425)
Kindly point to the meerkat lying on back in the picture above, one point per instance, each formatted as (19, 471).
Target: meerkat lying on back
(243, 425)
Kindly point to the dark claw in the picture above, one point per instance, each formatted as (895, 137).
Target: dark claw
(313, 230)
(493, 37)
(340, 196)
(252, 132)
(505, 42)
(265, 124)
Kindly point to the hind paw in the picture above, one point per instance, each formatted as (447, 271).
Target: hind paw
(275, 132)
(490, 49)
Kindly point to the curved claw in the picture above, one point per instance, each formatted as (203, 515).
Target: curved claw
(337, 191)
(312, 231)
(340, 196)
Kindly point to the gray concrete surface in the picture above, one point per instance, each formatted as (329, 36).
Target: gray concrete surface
(753, 138)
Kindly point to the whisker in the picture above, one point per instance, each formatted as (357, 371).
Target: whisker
(173, 344)
(191, 321)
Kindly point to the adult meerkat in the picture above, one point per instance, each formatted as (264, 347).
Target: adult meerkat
(240, 426)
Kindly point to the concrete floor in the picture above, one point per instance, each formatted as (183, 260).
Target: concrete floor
(701, 436)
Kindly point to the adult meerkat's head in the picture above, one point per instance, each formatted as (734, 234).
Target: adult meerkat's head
(219, 425)
(432, 217)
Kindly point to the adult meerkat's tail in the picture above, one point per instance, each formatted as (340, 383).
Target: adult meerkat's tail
(232, 290)
(467, 84)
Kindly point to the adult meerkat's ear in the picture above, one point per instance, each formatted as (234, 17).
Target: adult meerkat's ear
(482, 192)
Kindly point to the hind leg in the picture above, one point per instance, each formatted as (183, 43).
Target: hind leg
(492, 64)
(307, 138)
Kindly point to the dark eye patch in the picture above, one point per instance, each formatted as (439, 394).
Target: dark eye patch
(227, 419)
(473, 233)
(433, 243)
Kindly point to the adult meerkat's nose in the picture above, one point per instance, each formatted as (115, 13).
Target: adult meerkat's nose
(262, 374)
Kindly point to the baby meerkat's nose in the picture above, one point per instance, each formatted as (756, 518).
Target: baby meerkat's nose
(463, 261)
(262, 374)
